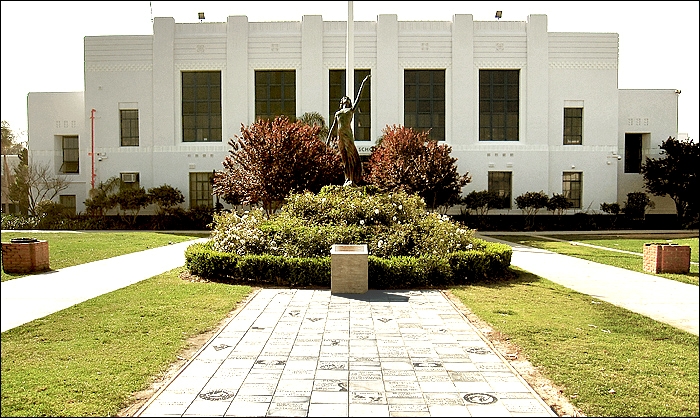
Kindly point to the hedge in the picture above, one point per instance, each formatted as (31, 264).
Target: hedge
(490, 262)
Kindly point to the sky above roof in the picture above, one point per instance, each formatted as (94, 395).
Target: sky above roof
(42, 42)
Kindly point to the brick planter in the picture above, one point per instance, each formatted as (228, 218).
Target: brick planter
(666, 258)
(25, 255)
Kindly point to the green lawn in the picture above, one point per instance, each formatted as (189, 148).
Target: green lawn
(613, 258)
(610, 361)
(89, 359)
(72, 248)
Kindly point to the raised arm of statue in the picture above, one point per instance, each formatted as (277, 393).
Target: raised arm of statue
(359, 92)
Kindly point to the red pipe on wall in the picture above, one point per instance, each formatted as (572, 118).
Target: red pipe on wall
(92, 153)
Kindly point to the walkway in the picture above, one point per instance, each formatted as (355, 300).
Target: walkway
(31, 297)
(664, 300)
(310, 353)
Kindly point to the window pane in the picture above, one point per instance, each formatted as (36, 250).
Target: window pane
(573, 126)
(410, 106)
(129, 127)
(201, 190)
(411, 91)
(429, 111)
(201, 102)
(499, 182)
(498, 105)
(71, 155)
(275, 94)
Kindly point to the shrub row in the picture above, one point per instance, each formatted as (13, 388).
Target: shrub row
(489, 262)
(198, 218)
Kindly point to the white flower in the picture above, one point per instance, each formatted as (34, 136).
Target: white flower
(393, 218)
(376, 211)
(362, 221)
(400, 207)
(380, 243)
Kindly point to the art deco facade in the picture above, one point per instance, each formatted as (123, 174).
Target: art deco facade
(523, 109)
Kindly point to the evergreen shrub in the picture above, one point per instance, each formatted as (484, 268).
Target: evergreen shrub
(408, 245)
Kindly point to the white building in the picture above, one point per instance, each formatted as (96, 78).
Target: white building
(523, 109)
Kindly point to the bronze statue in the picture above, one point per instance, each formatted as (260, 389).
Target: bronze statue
(341, 129)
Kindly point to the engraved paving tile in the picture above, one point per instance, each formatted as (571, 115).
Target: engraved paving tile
(383, 353)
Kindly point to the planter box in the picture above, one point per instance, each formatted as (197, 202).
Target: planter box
(349, 268)
(25, 255)
(666, 258)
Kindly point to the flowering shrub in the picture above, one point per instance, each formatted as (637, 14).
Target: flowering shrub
(11, 221)
(239, 233)
(391, 224)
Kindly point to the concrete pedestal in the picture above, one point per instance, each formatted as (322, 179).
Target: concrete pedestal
(349, 268)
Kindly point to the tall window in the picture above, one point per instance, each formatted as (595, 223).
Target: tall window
(71, 155)
(201, 190)
(275, 94)
(500, 182)
(68, 203)
(129, 127)
(424, 101)
(201, 106)
(499, 102)
(633, 153)
(572, 186)
(336, 91)
(573, 126)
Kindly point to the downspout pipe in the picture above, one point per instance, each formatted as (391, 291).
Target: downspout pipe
(92, 153)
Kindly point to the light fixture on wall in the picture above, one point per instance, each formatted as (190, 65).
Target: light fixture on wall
(499, 14)
(614, 155)
(201, 16)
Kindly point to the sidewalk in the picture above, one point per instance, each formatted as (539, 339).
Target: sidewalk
(31, 297)
(664, 300)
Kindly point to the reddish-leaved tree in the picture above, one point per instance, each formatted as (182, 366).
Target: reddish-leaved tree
(273, 158)
(407, 160)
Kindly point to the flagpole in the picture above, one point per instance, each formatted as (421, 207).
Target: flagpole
(350, 58)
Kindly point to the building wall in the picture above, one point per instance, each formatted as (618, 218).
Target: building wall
(51, 116)
(556, 70)
(654, 114)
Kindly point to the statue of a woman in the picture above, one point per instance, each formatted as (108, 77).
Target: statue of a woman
(341, 129)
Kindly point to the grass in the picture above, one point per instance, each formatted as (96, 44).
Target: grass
(88, 359)
(613, 258)
(610, 361)
(72, 248)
